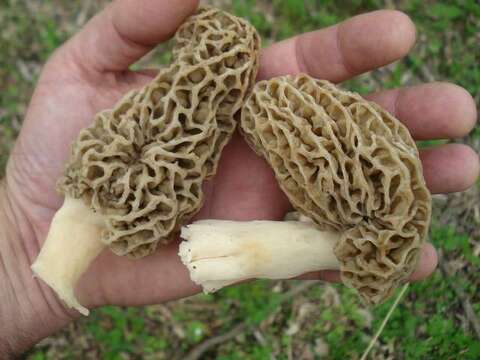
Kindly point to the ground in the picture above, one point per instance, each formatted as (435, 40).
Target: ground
(435, 319)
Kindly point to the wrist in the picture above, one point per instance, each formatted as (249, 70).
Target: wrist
(28, 311)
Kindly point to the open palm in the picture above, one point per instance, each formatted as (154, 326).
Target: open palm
(90, 73)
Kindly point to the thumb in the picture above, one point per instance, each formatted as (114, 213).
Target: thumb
(125, 31)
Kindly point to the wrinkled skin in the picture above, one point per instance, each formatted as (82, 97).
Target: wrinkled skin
(90, 73)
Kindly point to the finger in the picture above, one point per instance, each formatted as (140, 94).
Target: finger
(125, 31)
(431, 111)
(426, 265)
(155, 279)
(450, 167)
(225, 194)
(339, 52)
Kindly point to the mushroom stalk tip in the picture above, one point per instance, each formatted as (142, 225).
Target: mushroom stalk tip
(72, 243)
(218, 253)
(64, 291)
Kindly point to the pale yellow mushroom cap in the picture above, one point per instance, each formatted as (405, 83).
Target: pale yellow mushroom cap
(142, 163)
(352, 168)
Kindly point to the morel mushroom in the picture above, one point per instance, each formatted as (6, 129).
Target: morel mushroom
(135, 175)
(344, 163)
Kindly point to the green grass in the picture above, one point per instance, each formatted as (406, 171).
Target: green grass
(324, 321)
(424, 325)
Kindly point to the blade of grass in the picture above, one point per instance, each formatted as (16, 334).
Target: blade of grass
(384, 322)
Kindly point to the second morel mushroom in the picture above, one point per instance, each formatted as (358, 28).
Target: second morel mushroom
(135, 175)
(353, 173)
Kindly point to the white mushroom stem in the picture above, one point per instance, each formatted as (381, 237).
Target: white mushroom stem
(72, 243)
(218, 253)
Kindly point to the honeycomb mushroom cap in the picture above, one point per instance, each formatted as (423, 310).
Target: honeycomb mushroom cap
(351, 167)
(142, 163)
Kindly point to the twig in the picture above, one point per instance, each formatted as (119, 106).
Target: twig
(262, 341)
(260, 338)
(467, 306)
(426, 74)
(83, 13)
(197, 352)
(384, 322)
(177, 328)
(305, 285)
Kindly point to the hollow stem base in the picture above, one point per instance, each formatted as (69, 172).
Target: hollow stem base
(73, 242)
(218, 253)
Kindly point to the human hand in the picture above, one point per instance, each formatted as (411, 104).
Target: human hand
(90, 73)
